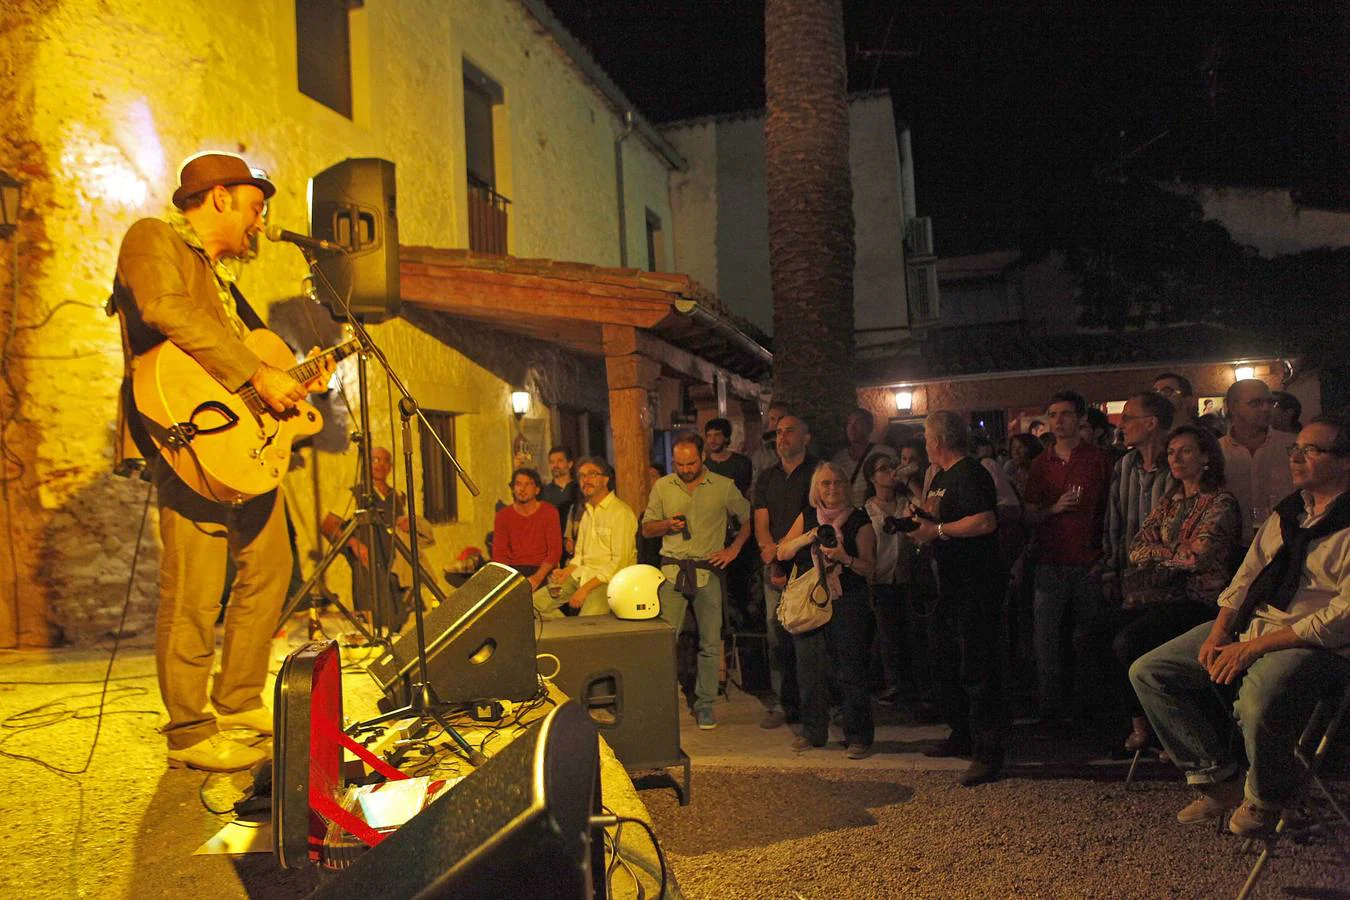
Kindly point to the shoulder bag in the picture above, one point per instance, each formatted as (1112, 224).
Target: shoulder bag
(805, 602)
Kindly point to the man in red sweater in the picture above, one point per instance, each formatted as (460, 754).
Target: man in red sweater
(1065, 498)
(527, 535)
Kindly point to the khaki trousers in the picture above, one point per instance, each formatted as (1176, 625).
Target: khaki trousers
(198, 537)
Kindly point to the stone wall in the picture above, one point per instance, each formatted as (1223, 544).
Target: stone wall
(103, 99)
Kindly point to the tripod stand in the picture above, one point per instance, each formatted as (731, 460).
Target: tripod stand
(423, 703)
(368, 526)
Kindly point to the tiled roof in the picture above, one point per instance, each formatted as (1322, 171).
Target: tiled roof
(1009, 347)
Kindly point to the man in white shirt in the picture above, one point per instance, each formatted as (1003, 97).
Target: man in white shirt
(1281, 638)
(606, 543)
(1255, 456)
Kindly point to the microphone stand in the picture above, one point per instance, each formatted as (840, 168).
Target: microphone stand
(423, 704)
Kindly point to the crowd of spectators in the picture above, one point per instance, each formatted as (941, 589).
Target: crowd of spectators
(1116, 567)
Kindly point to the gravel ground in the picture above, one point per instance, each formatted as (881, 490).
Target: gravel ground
(833, 833)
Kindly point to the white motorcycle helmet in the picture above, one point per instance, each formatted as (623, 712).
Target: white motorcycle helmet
(632, 592)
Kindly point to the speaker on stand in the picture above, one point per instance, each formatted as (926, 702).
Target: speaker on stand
(354, 204)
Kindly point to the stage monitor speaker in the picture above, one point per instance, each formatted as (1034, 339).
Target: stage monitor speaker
(480, 642)
(353, 204)
(306, 753)
(623, 674)
(517, 827)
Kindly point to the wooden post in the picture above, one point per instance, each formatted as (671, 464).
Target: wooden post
(630, 376)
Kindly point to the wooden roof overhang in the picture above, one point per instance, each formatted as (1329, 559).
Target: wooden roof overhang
(678, 323)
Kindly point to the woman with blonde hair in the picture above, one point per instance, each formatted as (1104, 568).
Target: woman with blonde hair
(838, 537)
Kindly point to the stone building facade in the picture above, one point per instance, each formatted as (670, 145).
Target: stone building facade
(103, 98)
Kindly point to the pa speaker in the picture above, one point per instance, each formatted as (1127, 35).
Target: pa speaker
(623, 674)
(480, 642)
(517, 827)
(353, 204)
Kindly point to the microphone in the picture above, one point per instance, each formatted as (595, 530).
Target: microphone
(277, 233)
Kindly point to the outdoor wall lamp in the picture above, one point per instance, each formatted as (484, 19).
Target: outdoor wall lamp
(11, 192)
(904, 400)
(1243, 373)
(520, 403)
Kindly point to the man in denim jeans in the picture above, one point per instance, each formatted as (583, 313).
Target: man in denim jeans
(1281, 638)
(1065, 497)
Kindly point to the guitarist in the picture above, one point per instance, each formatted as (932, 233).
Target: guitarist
(172, 284)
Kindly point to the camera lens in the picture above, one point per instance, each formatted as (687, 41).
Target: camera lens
(827, 536)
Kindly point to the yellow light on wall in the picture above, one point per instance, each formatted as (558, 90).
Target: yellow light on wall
(904, 400)
(1243, 373)
(520, 402)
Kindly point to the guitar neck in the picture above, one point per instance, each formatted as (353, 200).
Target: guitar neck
(310, 367)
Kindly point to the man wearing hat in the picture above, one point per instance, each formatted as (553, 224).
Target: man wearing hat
(172, 284)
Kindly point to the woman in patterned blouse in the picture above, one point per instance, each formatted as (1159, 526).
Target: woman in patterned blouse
(1180, 561)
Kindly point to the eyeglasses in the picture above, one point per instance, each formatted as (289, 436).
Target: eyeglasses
(1306, 451)
(1168, 391)
(582, 476)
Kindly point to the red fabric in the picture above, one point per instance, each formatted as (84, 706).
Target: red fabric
(527, 540)
(1070, 538)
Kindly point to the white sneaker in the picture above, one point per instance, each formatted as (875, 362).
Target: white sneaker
(217, 754)
(257, 720)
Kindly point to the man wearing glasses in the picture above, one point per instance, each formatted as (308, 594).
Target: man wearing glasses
(1281, 637)
(606, 543)
(1255, 460)
(1178, 391)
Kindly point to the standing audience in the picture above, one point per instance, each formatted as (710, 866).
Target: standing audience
(1286, 412)
(1022, 449)
(689, 511)
(858, 429)
(782, 493)
(961, 504)
(564, 494)
(1179, 392)
(1255, 456)
(892, 574)
(1066, 491)
(1139, 480)
(846, 557)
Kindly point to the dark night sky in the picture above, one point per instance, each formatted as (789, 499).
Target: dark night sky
(1008, 100)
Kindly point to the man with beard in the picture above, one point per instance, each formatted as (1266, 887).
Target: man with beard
(525, 535)
(689, 510)
(606, 543)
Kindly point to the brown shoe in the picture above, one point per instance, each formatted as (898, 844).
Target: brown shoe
(1250, 820)
(217, 754)
(1140, 735)
(801, 745)
(858, 751)
(1213, 801)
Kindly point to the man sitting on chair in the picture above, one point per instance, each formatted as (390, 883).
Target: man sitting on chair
(1281, 639)
(606, 543)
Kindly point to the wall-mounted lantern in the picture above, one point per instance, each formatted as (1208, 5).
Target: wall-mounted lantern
(1244, 373)
(904, 400)
(11, 194)
(520, 403)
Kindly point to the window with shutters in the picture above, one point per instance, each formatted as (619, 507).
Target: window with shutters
(440, 485)
(323, 52)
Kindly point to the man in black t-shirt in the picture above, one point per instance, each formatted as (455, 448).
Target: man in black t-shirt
(962, 501)
(781, 493)
(720, 458)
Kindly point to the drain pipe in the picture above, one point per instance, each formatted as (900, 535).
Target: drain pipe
(618, 178)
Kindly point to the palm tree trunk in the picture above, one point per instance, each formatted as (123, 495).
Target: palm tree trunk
(810, 199)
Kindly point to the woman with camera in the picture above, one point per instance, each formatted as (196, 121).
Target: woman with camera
(890, 501)
(1181, 560)
(837, 540)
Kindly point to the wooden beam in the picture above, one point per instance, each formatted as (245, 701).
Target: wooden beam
(688, 364)
(507, 302)
(632, 444)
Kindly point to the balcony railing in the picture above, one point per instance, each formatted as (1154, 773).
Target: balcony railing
(487, 218)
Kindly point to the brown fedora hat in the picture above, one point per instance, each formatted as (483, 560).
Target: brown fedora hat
(206, 170)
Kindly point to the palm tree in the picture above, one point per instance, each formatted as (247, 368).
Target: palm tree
(810, 201)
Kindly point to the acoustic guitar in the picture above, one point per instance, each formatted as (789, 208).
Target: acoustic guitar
(228, 447)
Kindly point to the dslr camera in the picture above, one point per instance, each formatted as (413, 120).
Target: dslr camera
(826, 536)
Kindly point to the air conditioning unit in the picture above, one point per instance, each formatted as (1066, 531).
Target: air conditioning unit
(922, 282)
(919, 236)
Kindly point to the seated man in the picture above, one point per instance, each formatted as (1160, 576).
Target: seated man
(1282, 636)
(526, 535)
(606, 543)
